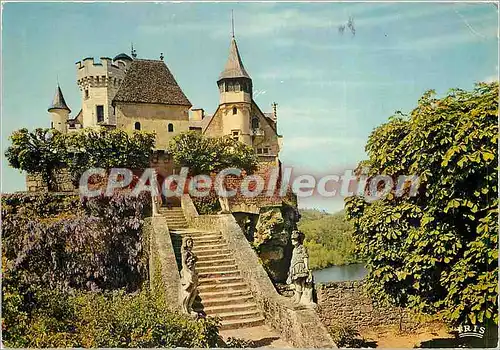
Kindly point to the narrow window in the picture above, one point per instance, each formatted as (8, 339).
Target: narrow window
(52, 125)
(236, 136)
(100, 113)
(170, 127)
(255, 123)
(137, 126)
(235, 111)
(86, 94)
(265, 150)
(259, 150)
(237, 87)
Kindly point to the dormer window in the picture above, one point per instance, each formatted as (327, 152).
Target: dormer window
(235, 110)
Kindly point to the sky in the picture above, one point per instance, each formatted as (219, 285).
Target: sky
(332, 89)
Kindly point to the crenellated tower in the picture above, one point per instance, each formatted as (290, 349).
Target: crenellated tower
(59, 111)
(98, 83)
(235, 91)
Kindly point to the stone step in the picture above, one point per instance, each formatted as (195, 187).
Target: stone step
(236, 315)
(198, 242)
(175, 218)
(177, 226)
(213, 257)
(231, 307)
(230, 286)
(243, 323)
(218, 274)
(209, 296)
(209, 304)
(195, 232)
(176, 222)
(195, 238)
(219, 281)
(216, 268)
(216, 262)
(212, 247)
(211, 252)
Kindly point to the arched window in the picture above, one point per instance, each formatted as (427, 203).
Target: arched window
(235, 111)
(255, 122)
(170, 127)
(137, 126)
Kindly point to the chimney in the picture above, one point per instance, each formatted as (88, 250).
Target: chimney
(197, 114)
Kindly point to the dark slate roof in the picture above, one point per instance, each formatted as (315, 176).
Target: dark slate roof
(76, 120)
(234, 66)
(122, 56)
(150, 81)
(58, 102)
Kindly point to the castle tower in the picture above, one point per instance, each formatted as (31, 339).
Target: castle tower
(235, 90)
(99, 83)
(59, 111)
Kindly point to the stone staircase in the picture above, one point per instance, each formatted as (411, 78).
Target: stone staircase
(174, 216)
(222, 290)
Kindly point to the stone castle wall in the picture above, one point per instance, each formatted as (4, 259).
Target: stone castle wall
(346, 303)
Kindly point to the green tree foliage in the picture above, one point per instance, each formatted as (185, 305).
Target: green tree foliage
(36, 152)
(436, 252)
(328, 238)
(204, 155)
(44, 150)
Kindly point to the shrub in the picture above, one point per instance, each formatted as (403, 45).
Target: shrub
(88, 319)
(96, 246)
(346, 336)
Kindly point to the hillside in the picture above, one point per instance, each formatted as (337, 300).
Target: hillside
(328, 238)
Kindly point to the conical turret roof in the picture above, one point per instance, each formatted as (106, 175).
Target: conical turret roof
(234, 66)
(58, 102)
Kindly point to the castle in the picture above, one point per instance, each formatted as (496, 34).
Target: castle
(129, 93)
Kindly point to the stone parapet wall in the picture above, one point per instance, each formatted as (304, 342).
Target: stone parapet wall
(300, 326)
(163, 272)
(347, 303)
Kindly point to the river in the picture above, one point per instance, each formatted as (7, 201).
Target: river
(353, 272)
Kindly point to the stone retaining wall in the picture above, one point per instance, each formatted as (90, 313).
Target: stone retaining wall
(346, 303)
(61, 178)
(300, 326)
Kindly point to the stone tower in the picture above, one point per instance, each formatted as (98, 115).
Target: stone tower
(235, 90)
(59, 111)
(99, 83)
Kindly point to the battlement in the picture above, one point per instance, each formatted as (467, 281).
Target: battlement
(90, 73)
